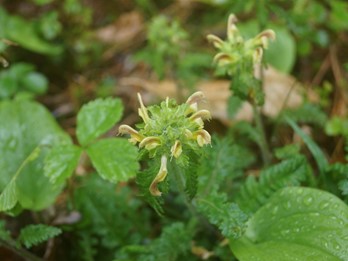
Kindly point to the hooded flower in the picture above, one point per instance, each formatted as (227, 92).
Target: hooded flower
(169, 131)
(235, 51)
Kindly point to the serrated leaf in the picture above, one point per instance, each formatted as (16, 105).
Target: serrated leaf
(25, 125)
(256, 192)
(96, 117)
(230, 219)
(114, 159)
(61, 161)
(296, 224)
(35, 234)
(8, 197)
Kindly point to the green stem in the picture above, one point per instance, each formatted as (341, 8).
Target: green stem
(181, 186)
(20, 251)
(265, 151)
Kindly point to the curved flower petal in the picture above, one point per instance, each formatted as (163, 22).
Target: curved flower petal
(161, 175)
(142, 110)
(150, 143)
(216, 41)
(193, 100)
(176, 149)
(231, 27)
(202, 114)
(135, 136)
(203, 137)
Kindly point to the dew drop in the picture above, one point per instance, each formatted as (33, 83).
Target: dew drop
(287, 204)
(324, 205)
(12, 144)
(275, 210)
(285, 232)
(308, 200)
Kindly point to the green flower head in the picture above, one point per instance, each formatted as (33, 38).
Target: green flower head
(168, 131)
(235, 51)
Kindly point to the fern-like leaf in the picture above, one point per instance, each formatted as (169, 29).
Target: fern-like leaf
(35, 234)
(230, 219)
(173, 244)
(307, 113)
(225, 162)
(254, 193)
(191, 176)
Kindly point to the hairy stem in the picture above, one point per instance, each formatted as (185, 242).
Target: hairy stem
(265, 151)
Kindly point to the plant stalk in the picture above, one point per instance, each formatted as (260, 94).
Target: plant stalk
(20, 251)
(181, 186)
(265, 151)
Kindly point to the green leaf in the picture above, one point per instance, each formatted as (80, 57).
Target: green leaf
(115, 159)
(35, 83)
(8, 197)
(296, 224)
(4, 233)
(24, 33)
(173, 244)
(284, 44)
(35, 234)
(110, 215)
(96, 117)
(21, 77)
(25, 125)
(61, 161)
(256, 192)
(230, 219)
(312, 146)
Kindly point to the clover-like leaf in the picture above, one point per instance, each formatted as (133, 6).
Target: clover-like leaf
(296, 224)
(96, 117)
(25, 126)
(61, 161)
(115, 159)
(8, 197)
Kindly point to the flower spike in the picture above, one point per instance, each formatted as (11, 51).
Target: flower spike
(169, 130)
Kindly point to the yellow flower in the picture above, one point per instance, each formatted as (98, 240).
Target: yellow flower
(170, 129)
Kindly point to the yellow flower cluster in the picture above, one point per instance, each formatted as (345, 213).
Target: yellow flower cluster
(167, 129)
